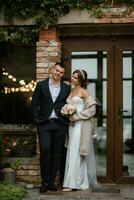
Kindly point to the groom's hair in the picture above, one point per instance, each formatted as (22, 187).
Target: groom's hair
(60, 64)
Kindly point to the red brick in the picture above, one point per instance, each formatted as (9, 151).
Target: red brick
(48, 34)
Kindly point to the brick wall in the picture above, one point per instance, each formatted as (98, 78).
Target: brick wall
(28, 170)
(48, 52)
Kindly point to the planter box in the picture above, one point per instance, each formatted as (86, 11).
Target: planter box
(9, 175)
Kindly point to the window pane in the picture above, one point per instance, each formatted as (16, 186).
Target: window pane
(128, 122)
(127, 129)
(100, 148)
(127, 67)
(89, 65)
(127, 52)
(127, 97)
(128, 148)
(84, 53)
(92, 89)
(104, 68)
(104, 98)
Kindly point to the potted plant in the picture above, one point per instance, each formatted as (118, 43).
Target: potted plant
(10, 172)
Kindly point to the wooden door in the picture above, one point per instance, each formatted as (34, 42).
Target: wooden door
(104, 61)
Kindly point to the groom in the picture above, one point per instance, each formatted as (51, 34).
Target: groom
(48, 99)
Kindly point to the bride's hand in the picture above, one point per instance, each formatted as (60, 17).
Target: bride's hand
(71, 118)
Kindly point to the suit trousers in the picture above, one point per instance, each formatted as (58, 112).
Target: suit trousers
(51, 140)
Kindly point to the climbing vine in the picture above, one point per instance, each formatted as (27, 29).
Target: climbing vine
(45, 13)
(23, 34)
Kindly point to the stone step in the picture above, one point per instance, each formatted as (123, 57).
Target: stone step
(106, 194)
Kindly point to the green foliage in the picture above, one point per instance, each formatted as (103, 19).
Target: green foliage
(97, 12)
(19, 33)
(15, 164)
(1, 150)
(20, 8)
(45, 13)
(11, 192)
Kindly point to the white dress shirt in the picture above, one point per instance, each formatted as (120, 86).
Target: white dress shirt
(54, 90)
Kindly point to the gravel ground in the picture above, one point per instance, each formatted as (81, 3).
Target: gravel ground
(112, 192)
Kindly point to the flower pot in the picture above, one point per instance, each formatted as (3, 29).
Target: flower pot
(9, 175)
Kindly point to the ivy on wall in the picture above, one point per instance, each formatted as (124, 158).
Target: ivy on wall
(24, 34)
(45, 13)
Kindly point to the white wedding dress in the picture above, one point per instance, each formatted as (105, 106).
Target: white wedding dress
(80, 171)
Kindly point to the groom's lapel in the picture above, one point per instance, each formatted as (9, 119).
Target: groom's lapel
(47, 90)
(61, 92)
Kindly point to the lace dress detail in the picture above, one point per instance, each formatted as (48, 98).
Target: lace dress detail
(80, 171)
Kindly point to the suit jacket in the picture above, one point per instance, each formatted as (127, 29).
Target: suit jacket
(42, 103)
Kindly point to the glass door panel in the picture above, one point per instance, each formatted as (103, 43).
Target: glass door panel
(94, 63)
(128, 118)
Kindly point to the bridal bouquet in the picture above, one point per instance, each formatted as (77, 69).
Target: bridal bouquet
(68, 109)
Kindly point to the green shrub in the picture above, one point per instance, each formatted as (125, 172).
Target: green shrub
(15, 164)
(11, 192)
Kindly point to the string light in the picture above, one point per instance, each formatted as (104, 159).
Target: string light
(29, 87)
(14, 79)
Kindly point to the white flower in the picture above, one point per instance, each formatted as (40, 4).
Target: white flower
(68, 109)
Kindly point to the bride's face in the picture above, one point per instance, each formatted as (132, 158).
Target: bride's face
(74, 80)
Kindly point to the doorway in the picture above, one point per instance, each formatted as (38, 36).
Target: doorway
(110, 67)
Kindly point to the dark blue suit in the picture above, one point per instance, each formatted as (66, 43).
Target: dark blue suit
(51, 133)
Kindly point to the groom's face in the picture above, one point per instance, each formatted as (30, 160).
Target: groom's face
(57, 72)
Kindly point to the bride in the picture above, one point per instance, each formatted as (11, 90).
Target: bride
(80, 168)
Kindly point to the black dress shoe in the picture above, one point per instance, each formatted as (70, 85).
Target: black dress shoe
(43, 188)
(52, 187)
